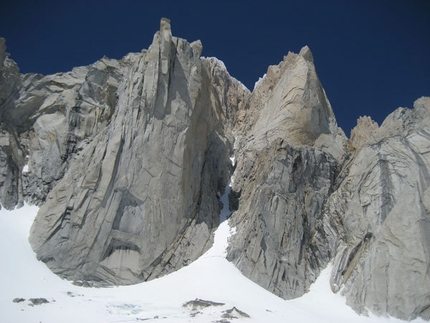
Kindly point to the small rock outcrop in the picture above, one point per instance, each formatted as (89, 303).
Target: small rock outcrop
(363, 131)
(127, 159)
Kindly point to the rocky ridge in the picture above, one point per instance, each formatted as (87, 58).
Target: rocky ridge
(127, 159)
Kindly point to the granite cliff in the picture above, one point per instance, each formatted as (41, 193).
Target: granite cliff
(127, 159)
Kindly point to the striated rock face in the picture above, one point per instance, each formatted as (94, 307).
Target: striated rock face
(147, 203)
(278, 241)
(381, 213)
(290, 103)
(286, 167)
(9, 79)
(10, 160)
(11, 156)
(69, 108)
(127, 158)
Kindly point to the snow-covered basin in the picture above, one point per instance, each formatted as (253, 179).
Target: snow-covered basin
(210, 278)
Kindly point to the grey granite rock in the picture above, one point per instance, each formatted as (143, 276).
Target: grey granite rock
(11, 155)
(381, 215)
(127, 157)
(289, 102)
(147, 202)
(287, 160)
(72, 107)
(11, 160)
(278, 242)
(10, 81)
(363, 131)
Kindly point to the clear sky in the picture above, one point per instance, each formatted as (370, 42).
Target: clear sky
(372, 56)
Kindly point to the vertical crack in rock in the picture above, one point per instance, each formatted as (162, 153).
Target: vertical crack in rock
(277, 243)
(387, 202)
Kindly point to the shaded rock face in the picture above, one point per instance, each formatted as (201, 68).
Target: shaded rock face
(10, 178)
(126, 159)
(11, 155)
(279, 243)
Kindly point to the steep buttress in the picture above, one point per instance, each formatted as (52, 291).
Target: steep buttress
(139, 199)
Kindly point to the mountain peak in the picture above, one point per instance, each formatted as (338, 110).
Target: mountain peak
(165, 23)
(129, 161)
(306, 53)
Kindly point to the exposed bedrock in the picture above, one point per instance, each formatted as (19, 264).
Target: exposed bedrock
(280, 241)
(147, 202)
(127, 159)
(380, 214)
(288, 154)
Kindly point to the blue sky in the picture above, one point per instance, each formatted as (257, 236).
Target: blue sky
(372, 56)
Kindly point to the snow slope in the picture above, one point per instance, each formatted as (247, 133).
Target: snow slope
(211, 278)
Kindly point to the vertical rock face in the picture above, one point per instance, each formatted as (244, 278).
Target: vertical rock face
(127, 157)
(9, 79)
(146, 203)
(383, 204)
(69, 108)
(11, 156)
(286, 167)
(278, 222)
(10, 177)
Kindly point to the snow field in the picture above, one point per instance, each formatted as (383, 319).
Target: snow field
(210, 278)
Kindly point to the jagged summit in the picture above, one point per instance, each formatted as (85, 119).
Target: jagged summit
(128, 158)
(306, 53)
(290, 103)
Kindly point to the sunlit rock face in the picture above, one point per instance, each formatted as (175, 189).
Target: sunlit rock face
(288, 157)
(278, 241)
(128, 158)
(381, 216)
(289, 102)
(363, 131)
